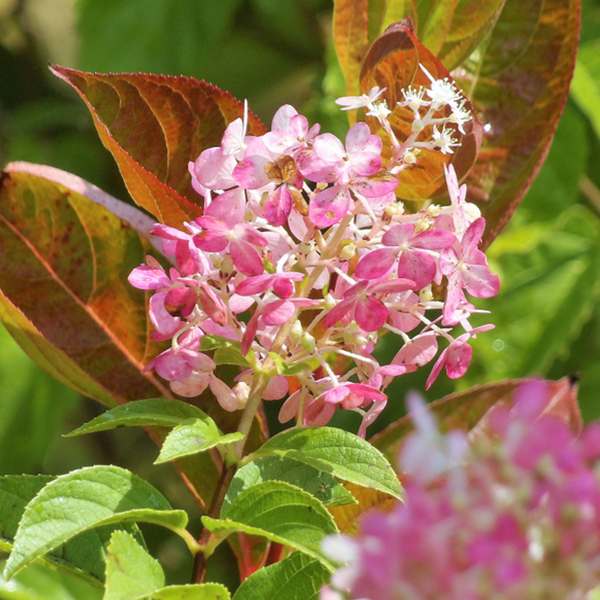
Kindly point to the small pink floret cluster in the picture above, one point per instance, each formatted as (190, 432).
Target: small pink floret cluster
(304, 257)
(515, 516)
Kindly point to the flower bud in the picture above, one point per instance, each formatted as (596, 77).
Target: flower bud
(242, 392)
(348, 251)
(426, 295)
(329, 302)
(296, 331)
(308, 342)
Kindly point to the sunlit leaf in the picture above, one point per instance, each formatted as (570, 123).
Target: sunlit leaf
(81, 557)
(131, 572)
(84, 499)
(276, 468)
(154, 411)
(64, 293)
(297, 577)
(337, 452)
(154, 125)
(205, 591)
(280, 512)
(194, 437)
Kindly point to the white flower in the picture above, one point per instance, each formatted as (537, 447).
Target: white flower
(364, 101)
(443, 140)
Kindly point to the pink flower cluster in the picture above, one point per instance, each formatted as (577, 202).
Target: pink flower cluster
(515, 516)
(304, 256)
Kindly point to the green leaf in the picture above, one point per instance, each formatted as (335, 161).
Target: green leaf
(585, 88)
(153, 126)
(337, 452)
(230, 355)
(194, 437)
(212, 342)
(131, 573)
(205, 591)
(154, 411)
(61, 246)
(32, 410)
(278, 468)
(83, 499)
(82, 556)
(280, 512)
(288, 370)
(297, 577)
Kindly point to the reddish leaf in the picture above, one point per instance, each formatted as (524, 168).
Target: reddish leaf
(348, 517)
(153, 125)
(519, 86)
(472, 22)
(63, 267)
(393, 63)
(468, 411)
(353, 33)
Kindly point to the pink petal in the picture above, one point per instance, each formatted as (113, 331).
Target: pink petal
(278, 312)
(224, 394)
(277, 388)
(148, 278)
(250, 235)
(418, 351)
(357, 137)
(379, 190)
(171, 365)
(281, 119)
(366, 391)
(398, 235)
(191, 386)
(290, 407)
(434, 239)
(250, 333)
(392, 286)
(370, 314)
(284, 287)
(338, 312)
(329, 206)
(278, 206)
(335, 395)
(418, 266)
(245, 258)
(180, 301)
(213, 169)
(211, 241)
(329, 148)
(365, 164)
(197, 360)
(458, 360)
(473, 235)
(212, 305)
(228, 207)
(250, 173)
(376, 263)
(162, 320)
(254, 285)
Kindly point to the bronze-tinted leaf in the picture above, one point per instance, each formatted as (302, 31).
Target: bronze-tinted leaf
(518, 84)
(472, 22)
(63, 267)
(468, 410)
(394, 62)
(348, 517)
(154, 125)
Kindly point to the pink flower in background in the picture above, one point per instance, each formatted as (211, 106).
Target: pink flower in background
(515, 515)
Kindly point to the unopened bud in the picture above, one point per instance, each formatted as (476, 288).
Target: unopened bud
(308, 342)
(242, 393)
(409, 157)
(296, 331)
(329, 302)
(305, 247)
(417, 126)
(348, 251)
(395, 208)
(426, 295)
(433, 210)
(226, 265)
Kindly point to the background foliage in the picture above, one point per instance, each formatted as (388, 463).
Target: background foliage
(274, 52)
